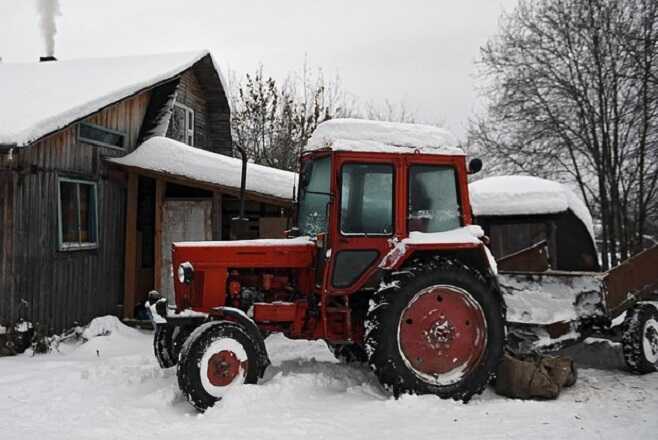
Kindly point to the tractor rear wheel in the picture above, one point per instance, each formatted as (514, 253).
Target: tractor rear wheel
(640, 339)
(217, 357)
(437, 328)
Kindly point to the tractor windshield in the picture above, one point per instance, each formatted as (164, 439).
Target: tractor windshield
(433, 199)
(314, 196)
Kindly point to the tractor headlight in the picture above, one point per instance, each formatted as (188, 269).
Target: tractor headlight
(185, 272)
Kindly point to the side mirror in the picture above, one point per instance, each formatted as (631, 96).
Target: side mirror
(474, 165)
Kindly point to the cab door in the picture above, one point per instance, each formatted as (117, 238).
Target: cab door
(363, 222)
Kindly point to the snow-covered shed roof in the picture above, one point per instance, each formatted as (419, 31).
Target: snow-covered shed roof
(37, 99)
(172, 158)
(382, 137)
(526, 195)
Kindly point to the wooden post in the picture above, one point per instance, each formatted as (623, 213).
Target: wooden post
(130, 252)
(160, 190)
(216, 216)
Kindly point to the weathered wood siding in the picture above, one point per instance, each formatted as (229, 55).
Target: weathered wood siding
(198, 90)
(64, 287)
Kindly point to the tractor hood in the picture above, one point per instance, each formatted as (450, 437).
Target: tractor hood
(274, 253)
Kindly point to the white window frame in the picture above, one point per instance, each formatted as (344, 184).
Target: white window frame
(100, 143)
(189, 123)
(74, 246)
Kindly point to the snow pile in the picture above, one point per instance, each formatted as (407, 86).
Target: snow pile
(549, 298)
(39, 98)
(469, 234)
(526, 195)
(176, 159)
(466, 234)
(305, 393)
(105, 326)
(382, 137)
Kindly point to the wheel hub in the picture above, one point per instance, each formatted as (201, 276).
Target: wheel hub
(224, 367)
(442, 334)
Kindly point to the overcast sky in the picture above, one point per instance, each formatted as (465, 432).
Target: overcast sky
(420, 53)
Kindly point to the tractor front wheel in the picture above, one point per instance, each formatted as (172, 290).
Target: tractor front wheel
(640, 339)
(216, 358)
(437, 328)
(167, 343)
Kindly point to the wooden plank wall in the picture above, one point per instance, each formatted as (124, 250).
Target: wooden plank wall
(64, 287)
(198, 89)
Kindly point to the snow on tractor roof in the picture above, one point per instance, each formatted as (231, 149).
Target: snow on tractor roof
(167, 156)
(526, 195)
(37, 99)
(382, 137)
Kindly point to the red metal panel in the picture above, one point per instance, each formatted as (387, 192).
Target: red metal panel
(634, 279)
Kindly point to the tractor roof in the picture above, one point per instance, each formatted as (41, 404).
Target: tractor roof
(382, 137)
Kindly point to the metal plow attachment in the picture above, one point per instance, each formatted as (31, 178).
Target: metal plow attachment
(547, 311)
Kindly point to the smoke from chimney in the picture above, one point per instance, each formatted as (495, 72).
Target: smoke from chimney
(48, 10)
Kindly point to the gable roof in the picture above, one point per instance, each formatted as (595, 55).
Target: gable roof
(37, 99)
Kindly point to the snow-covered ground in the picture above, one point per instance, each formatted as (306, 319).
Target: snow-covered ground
(111, 387)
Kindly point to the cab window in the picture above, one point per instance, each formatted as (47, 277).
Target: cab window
(433, 199)
(366, 199)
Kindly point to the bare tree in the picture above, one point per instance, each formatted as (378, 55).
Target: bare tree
(273, 121)
(573, 95)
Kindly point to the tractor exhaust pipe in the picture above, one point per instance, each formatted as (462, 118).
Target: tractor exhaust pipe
(240, 224)
(243, 180)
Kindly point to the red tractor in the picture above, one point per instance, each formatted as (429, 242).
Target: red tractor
(384, 264)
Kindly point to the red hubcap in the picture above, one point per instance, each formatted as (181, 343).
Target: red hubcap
(223, 367)
(443, 329)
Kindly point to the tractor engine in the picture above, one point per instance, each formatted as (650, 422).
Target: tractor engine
(245, 289)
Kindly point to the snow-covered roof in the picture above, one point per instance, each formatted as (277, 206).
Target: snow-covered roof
(526, 195)
(382, 137)
(173, 158)
(37, 99)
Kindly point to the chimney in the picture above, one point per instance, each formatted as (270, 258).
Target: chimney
(46, 59)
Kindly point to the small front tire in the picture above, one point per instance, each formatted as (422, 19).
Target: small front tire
(167, 343)
(216, 358)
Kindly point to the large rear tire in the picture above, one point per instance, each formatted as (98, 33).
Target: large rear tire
(216, 358)
(437, 328)
(640, 339)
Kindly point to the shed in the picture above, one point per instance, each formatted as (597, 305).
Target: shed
(524, 213)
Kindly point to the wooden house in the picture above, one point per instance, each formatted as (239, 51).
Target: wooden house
(86, 221)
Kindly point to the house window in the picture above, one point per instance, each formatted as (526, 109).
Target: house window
(78, 225)
(104, 137)
(181, 124)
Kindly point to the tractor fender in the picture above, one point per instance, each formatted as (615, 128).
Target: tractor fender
(238, 316)
(476, 256)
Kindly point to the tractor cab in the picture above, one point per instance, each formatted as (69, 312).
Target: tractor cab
(358, 203)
